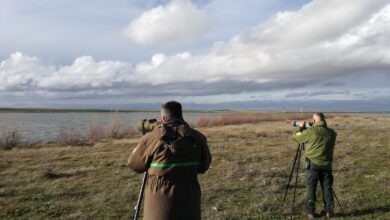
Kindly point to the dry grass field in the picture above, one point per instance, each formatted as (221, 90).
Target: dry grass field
(247, 179)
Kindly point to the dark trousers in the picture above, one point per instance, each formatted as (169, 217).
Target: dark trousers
(313, 175)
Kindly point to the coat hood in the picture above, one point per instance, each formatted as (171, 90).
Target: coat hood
(178, 137)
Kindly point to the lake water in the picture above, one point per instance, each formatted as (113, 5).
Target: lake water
(45, 127)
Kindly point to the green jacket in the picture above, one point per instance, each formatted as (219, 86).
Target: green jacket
(319, 143)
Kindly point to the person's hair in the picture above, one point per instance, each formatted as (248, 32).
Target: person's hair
(172, 110)
(320, 115)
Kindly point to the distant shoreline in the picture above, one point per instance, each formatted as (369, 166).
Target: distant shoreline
(49, 110)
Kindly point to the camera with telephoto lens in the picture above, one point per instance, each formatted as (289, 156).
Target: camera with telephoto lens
(147, 125)
(306, 124)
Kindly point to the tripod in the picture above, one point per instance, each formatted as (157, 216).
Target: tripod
(142, 189)
(297, 161)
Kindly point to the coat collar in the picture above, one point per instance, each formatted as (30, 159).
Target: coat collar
(173, 128)
(320, 124)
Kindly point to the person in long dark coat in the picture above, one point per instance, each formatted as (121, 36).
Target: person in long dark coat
(172, 154)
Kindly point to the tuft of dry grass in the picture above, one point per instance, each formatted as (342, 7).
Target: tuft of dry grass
(120, 130)
(71, 135)
(95, 132)
(117, 129)
(10, 139)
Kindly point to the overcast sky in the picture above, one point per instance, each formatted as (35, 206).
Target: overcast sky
(101, 53)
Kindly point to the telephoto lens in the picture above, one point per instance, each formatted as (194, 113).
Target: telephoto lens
(146, 125)
(306, 124)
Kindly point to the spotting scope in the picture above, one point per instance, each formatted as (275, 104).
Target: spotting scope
(306, 124)
(146, 125)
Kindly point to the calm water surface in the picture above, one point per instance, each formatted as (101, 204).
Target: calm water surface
(45, 127)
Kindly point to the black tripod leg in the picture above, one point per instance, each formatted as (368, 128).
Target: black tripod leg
(291, 173)
(141, 191)
(334, 194)
(296, 180)
(140, 196)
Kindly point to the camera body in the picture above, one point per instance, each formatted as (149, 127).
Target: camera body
(147, 125)
(306, 124)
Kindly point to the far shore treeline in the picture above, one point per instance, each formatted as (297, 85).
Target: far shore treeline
(49, 110)
(65, 110)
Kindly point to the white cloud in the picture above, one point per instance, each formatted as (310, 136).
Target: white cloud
(23, 72)
(20, 72)
(317, 21)
(178, 20)
(85, 74)
(306, 45)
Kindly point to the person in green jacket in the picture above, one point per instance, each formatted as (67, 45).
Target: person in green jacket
(319, 142)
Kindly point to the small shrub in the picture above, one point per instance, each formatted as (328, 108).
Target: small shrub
(114, 131)
(203, 122)
(10, 139)
(118, 130)
(70, 135)
(95, 132)
(128, 131)
(259, 132)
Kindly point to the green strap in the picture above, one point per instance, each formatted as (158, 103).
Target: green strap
(163, 165)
